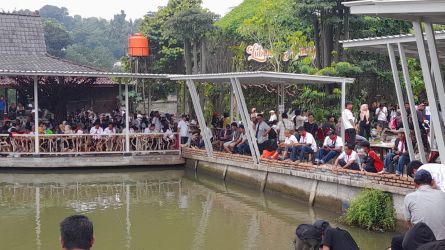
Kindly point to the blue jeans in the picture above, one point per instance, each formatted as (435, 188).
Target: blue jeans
(354, 166)
(300, 150)
(243, 149)
(326, 155)
(184, 139)
(402, 161)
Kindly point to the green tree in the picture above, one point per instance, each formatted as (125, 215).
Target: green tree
(57, 39)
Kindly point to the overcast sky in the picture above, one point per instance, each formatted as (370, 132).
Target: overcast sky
(107, 8)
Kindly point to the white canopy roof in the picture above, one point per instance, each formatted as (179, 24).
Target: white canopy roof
(262, 77)
(431, 11)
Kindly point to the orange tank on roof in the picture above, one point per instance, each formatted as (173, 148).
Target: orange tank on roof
(138, 45)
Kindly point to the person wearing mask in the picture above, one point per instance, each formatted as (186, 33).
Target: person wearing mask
(371, 162)
(399, 155)
(332, 147)
(311, 126)
(365, 122)
(347, 119)
(306, 144)
(348, 159)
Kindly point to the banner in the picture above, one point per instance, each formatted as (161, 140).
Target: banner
(258, 53)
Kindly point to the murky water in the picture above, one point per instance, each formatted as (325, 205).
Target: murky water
(142, 209)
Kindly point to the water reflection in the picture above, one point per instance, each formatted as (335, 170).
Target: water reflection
(141, 209)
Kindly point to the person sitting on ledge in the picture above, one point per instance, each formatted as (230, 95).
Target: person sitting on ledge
(332, 146)
(230, 145)
(242, 146)
(306, 144)
(348, 159)
(286, 146)
(399, 155)
(371, 162)
(76, 233)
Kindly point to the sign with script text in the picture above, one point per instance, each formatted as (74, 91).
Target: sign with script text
(258, 53)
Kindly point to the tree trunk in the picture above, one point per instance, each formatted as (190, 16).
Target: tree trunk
(317, 41)
(187, 58)
(203, 57)
(327, 36)
(195, 57)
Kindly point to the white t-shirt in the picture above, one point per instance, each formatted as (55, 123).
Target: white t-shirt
(309, 139)
(273, 117)
(291, 140)
(157, 123)
(347, 158)
(260, 129)
(328, 142)
(437, 171)
(346, 116)
(96, 131)
(183, 128)
(148, 131)
(109, 131)
(381, 114)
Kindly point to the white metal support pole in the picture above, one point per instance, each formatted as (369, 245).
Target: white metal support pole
(200, 116)
(127, 121)
(395, 75)
(38, 222)
(343, 106)
(435, 117)
(127, 217)
(412, 104)
(435, 66)
(245, 117)
(36, 116)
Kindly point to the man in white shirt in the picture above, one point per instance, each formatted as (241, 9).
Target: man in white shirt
(437, 171)
(382, 115)
(243, 146)
(287, 144)
(110, 130)
(151, 129)
(306, 144)
(348, 159)
(273, 116)
(96, 131)
(332, 147)
(183, 129)
(348, 122)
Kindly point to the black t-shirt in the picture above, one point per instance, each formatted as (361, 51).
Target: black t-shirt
(339, 239)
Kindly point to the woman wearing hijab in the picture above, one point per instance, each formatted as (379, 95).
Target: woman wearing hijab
(365, 123)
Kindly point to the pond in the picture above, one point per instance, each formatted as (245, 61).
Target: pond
(153, 209)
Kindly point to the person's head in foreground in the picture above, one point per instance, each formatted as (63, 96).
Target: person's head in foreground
(423, 177)
(76, 233)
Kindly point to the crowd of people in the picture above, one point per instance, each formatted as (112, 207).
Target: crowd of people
(297, 136)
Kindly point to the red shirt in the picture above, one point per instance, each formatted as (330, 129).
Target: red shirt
(378, 163)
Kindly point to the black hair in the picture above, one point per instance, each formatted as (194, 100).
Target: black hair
(284, 116)
(260, 115)
(348, 103)
(234, 124)
(299, 129)
(350, 146)
(76, 232)
(411, 166)
(365, 144)
(241, 126)
(297, 112)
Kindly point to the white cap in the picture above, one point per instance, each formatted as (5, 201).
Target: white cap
(272, 111)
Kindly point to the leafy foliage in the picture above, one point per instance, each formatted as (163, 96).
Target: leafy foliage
(372, 209)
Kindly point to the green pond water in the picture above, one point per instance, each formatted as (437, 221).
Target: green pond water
(153, 209)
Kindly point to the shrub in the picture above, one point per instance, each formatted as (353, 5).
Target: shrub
(372, 209)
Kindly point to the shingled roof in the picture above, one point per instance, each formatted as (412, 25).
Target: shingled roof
(23, 48)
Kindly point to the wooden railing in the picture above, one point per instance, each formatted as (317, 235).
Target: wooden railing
(78, 144)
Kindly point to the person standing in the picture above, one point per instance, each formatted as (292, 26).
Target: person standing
(365, 122)
(283, 125)
(382, 115)
(2, 107)
(183, 130)
(349, 124)
(273, 116)
(261, 133)
(311, 126)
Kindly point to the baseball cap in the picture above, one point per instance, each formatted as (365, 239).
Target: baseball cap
(423, 177)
